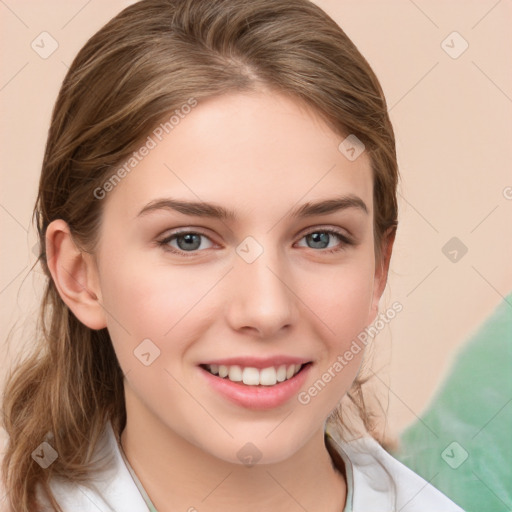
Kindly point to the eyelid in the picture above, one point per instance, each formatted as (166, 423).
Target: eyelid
(344, 237)
(164, 241)
(329, 228)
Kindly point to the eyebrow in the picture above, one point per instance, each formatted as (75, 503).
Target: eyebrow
(203, 209)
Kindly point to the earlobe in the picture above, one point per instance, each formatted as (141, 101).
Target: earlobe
(75, 275)
(381, 272)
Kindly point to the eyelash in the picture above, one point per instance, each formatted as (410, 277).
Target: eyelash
(164, 242)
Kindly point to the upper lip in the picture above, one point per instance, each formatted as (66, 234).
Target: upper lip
(258, 362)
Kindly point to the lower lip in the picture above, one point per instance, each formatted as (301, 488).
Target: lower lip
(257, 397)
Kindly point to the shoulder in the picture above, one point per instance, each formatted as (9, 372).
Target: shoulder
(110, 489)
(379, 483)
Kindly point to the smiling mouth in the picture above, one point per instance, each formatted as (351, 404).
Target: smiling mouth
(250, 376)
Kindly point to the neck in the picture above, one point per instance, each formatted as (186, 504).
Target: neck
(178, 475)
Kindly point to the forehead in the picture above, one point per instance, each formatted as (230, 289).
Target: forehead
(252, 152)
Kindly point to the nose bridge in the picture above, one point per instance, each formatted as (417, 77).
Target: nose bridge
(261, 289)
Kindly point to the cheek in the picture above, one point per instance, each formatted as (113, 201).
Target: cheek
(342, 298)
(155, 302)
(341, 302)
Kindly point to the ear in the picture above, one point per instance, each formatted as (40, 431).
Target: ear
(75, 275)
(381, 272)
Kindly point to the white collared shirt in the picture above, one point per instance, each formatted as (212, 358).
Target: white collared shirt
(376, 482)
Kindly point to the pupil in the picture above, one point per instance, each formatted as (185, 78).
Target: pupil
(319, 238)
(189, 240)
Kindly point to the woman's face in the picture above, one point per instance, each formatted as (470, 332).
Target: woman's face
(265, 282)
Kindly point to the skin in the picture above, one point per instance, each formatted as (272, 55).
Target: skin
(260, 155)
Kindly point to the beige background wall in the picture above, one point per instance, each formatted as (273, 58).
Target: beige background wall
(452, 113)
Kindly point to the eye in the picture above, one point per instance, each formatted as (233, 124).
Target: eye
(191, 241)
(186, 241)
(319, 239)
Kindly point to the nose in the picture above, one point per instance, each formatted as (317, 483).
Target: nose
(261, 298)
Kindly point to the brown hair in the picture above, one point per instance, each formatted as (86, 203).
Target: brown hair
(146, 62)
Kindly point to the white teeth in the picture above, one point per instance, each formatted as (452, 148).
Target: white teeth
(254, 377)
(281, 373)
(235, 373)
(290, 371)
(268, 376)
(251, 376)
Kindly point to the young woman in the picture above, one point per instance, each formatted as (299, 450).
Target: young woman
(216, 215)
